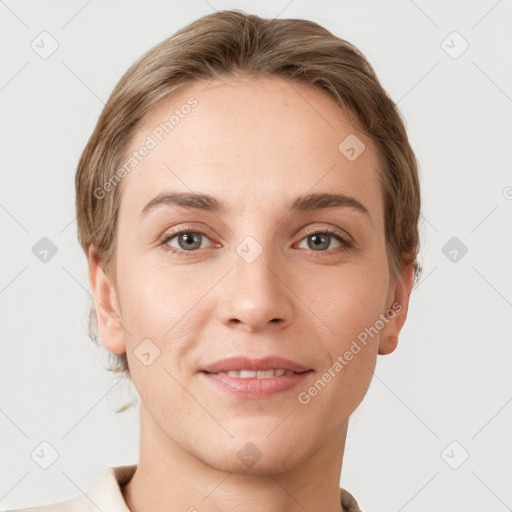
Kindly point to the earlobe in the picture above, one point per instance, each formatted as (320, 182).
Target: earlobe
(397, 311)
(108, 314)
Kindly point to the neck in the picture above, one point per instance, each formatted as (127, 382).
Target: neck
(169, 476)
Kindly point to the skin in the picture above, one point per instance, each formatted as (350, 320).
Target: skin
(255, 144)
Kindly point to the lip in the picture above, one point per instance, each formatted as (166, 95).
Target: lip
(238, 363)
(254, 388)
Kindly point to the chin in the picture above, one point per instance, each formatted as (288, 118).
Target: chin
(271, 464)
(255, 454)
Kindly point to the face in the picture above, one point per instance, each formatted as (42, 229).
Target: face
(254, 277)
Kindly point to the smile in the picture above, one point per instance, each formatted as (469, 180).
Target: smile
(260, 374)
(253, 384)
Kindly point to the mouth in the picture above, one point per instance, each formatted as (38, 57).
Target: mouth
(245, 364)
(255, 378)
(259, 374)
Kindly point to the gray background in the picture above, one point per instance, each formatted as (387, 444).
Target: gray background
(449, 380)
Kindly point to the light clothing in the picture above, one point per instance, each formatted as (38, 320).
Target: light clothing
(105, 495)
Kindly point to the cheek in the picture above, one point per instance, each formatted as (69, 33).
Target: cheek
(348, 299)
(149, 287)
(349, 303)
(162, 303)
(350, 348)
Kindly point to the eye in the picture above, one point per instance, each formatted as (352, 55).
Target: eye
(186, 239)
(321, 239)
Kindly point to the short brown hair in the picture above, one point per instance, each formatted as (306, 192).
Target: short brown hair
(225, 43)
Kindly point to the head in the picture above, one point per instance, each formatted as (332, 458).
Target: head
(254, 113)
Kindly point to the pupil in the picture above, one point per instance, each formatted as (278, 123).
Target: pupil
(188, 238)
(318, 240)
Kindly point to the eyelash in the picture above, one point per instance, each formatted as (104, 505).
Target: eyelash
(346, 244)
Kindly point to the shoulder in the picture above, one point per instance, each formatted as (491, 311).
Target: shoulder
(61, 506)
(105, 494)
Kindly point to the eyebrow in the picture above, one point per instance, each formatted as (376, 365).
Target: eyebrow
(303, 203)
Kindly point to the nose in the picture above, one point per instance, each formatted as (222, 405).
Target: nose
(257, 294)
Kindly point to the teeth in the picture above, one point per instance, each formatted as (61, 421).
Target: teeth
(260, 374)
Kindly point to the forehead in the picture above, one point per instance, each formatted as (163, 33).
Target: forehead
(251, 141)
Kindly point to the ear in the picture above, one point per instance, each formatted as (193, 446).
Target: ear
(108, 313)
(396, 312)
